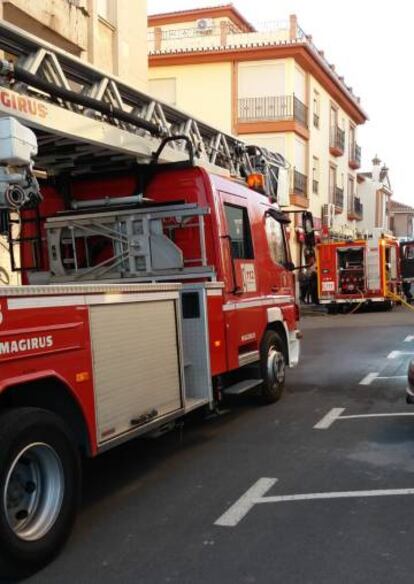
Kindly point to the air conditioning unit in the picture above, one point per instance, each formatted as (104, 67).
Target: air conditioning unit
(205, 25)
(328, 215)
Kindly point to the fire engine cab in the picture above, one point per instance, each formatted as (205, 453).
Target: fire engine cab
(156, 279)
(358, 271)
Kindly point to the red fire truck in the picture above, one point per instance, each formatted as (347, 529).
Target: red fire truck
(155, 280)
(351, 272)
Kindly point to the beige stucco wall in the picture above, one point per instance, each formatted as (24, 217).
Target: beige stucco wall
(204, 91)
(56, 21)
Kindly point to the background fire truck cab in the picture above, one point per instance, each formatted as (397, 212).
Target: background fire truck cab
(358, 271)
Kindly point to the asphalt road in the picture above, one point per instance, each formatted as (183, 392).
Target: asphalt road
(150, 507)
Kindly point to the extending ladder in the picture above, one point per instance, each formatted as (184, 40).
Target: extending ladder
(87, 121)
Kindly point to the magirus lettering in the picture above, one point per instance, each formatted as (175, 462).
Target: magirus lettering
(23, 345)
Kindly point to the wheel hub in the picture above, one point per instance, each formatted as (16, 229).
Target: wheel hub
(33, 491)
(276, 366)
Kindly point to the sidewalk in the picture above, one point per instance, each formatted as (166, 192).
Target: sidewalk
(312, 310)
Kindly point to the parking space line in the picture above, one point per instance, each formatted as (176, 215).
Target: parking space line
(334, 415)
(368, 379)
(385, 415)
(255, 496)
(396, 354)
(246, 502)
(327, 421)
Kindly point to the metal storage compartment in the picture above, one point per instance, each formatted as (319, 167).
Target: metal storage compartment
(136, 360)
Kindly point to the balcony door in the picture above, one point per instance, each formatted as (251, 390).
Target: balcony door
(261, 92)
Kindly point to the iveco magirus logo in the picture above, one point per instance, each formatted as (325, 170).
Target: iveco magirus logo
(23, 345)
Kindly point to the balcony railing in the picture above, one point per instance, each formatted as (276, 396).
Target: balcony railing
(354, 156)
(355, 207)
(337, 141)
(272, 108)
(339, 198)
(358, 208)
(300, 183)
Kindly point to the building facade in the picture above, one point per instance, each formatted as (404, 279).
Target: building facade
(272, 88)
(402, 220)
(374, 194)
(110, 34)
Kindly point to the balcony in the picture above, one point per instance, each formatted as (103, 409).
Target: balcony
(299, 193)
(354, 156)
(271, 109)
(355, 209)
(337, 141)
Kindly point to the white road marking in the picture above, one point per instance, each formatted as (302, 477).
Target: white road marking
(409, 339)
(246, 502)
(396, 354)
(368, 379)
(327, 421)
(254, 496)
(387, 415)
(334, 415)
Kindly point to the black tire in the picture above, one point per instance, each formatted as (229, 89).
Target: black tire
(273, 383)
(36, 447)
(332, 309)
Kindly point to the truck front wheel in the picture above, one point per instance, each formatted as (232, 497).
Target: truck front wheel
(39, 485)
(273, 366)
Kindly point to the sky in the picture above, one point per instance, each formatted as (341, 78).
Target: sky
(371, 44)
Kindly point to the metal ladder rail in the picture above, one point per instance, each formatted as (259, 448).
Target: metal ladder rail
(54, 76)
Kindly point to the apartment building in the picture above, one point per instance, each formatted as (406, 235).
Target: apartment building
(402, 220)
(374, 195)
(111, 34)
(271, 87)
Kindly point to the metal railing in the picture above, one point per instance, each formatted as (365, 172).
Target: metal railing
(339, 198)
(272, 108)
(300, 183)
(337, 139)
(355, 154)
(358, 207)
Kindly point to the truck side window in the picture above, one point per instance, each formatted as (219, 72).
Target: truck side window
(276, 240)
(239, 231)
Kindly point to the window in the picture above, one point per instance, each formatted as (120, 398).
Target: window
(316, 108)
(351, 189)
(261, 79)
(332, 182)
(334, 117)
(239, 231)
(276, 240)
(315, 175)
(164, 89)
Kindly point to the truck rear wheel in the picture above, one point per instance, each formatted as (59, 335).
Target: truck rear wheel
(39, 485)
(273, 366)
